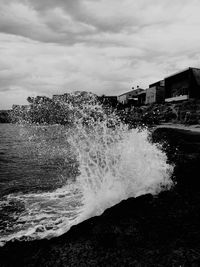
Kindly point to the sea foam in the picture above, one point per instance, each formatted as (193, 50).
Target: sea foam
(114, 163)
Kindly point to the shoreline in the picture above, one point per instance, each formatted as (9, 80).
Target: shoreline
(160, 230)
(193, 128)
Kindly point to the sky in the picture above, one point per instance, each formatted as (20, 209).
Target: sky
(104, 46)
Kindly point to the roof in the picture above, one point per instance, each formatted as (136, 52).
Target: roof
(158, 83)
(109, 96)
(134, 90)
(142, 93)
(187, 69)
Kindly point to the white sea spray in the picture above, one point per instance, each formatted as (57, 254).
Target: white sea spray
(113, 161)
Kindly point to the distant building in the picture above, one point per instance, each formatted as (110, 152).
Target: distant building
(155, 93)
(141, 98)
(130, 96)
(183, 85)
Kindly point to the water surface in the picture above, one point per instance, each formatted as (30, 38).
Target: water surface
(53, 177)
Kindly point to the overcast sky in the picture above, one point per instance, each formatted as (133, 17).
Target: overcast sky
(104, 46)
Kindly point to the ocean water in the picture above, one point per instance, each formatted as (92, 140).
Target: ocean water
(52, 177)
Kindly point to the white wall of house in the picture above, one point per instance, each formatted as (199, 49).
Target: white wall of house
(122, 99)
(129, 95)
(151, 95)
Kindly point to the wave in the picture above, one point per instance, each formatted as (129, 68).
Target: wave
(114, 163)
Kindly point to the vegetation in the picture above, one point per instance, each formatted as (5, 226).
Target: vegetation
(185, 113)
(83, 105)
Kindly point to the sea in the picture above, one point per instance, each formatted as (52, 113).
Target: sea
(55, 176)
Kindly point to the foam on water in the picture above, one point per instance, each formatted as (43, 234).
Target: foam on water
(115, 163)
(128, 166)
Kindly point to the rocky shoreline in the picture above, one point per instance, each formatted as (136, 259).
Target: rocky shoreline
(184, 113)
(147, 231)
(193, 128)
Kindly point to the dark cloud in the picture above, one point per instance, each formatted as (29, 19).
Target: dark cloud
(67, 21)
(50, 46)
(44, 5)
(46, 22)
(5, 89)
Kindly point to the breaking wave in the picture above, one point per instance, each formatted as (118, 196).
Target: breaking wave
(114, 163)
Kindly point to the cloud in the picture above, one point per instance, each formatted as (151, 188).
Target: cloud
(105, 46)
(97, 21)
(53, 25)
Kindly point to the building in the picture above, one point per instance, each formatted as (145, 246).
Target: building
(141, 98)
(129, 97)
(155, 93)
(183, 85)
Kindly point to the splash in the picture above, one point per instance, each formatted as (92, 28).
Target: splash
(114, 163)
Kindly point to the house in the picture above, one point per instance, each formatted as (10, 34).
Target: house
(183, 85)
(155, 93)
(130, 97)
(141, 98)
